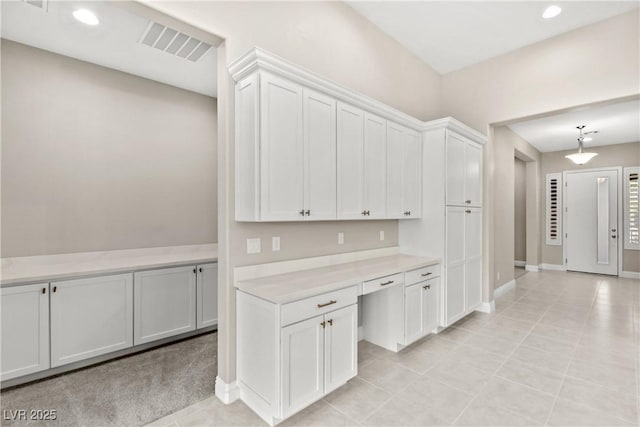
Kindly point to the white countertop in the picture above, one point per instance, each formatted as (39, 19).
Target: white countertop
(284, 288)
(44, 268)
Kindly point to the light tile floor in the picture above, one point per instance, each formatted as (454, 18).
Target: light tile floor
(562, 349)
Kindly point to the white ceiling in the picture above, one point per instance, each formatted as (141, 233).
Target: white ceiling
(114, 43)
(616, 124)
(449, 35)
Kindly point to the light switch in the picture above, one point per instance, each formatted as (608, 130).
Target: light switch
(275, 243)
(253, 246)
(341, 238)
(381, 234)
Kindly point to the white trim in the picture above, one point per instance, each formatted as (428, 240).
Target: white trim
(487, 307)
(498, 292)
(227, 392)
(618, 169)
(554, 267)
(270, 269)
(519, 263)
(630, 274)
(457, 126)
(532, 268)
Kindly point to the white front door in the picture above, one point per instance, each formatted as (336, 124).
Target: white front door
(591, 221)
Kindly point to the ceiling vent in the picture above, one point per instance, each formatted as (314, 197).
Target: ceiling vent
(40, 4)
(174, 42)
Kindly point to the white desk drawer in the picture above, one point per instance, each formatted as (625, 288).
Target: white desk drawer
(424, 273)
(319, 304)
(382, 283)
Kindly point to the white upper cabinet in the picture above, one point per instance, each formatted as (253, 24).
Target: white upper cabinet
(319, 123)
(303, 153)
(375, 167)
(350, 162)
(281, 150)
(464, 171)
(404, 172)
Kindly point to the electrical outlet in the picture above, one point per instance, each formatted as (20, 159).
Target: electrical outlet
(253, 246)
(381, 234)
(275, 243)
(341, 238)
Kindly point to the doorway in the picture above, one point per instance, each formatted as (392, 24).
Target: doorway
(591, 220)
(520, 217)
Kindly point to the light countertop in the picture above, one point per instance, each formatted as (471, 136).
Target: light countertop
(284, 288)
(45, 268)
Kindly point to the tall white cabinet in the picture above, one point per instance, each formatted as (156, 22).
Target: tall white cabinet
(452, 218)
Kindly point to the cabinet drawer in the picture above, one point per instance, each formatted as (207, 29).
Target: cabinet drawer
(320, 304)
(424, 273)
(382, 283)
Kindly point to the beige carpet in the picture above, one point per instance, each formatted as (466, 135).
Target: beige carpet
(130, 391)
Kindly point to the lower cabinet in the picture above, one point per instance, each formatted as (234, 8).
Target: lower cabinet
(291, 355)
(25, 330)
(318, 355)
(207, 295)
(90, 317)
(421, 309)
(164, 303)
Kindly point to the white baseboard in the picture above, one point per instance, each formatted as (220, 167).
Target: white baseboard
(630, 275)
(533, 268)
(227, 392)
(487, 307)
(520, 263)
(554, 267)
(504, 288)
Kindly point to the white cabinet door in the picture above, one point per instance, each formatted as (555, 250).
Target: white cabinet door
(412, 190)
(165, 303)
(25, 330)
(207, 295)
(456, 169)
(302, 364)
(454, 292)
(414, 313)
(281, 151)
(90, 317)
(395, 170)
(473, 257)
(319, 156)
(350, 147)
(431, 303)
(375, 166)
(473, 174)
(341, 347)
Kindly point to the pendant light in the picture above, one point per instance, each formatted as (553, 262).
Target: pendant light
(580, 158)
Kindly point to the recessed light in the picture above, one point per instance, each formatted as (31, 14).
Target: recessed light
(587, 139)
(551, 12)
(86, 17)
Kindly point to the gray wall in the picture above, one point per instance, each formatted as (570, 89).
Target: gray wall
(520, 210)
(96, 159)
(610, 155)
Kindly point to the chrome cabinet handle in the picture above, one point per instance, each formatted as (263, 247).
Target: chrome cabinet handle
(426, 274)
(426, 287)
(386, 283)
(327, 303)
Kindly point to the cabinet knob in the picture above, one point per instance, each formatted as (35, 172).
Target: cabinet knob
(308, 212)
(468, 211)
(44, 290)
(468, 202)
(194, 271)
(407, 213)
(426, 287)
(55, 288)
(301, 212)
(366, 213)
(330, 322)
(200, 269)
(323, 324)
